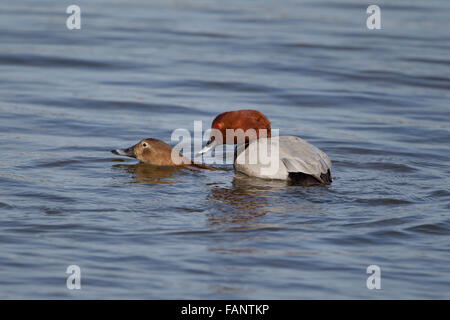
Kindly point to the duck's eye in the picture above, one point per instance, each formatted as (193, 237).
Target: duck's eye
(144, 145)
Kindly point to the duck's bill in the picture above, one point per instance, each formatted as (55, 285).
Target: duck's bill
(211, 144)
(129, 152)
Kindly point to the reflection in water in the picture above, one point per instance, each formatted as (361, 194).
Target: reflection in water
(146, 173)
(242, 204)
(247, 205)
(247, 200)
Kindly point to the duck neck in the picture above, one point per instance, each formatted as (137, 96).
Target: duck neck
(240, 148)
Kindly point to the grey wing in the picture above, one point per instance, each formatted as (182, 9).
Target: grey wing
(300, 156)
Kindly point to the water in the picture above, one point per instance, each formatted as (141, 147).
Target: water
(375, 101)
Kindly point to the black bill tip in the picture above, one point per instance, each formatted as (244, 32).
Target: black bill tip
(125, 152)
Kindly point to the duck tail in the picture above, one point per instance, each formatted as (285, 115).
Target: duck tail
(297, 169)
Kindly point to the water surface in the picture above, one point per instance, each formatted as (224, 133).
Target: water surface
(377, 102)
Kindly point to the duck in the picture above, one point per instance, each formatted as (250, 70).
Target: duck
(158, 153)
(291, 158)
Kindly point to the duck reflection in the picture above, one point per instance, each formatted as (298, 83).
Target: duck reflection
(244, 203)
(146, 173)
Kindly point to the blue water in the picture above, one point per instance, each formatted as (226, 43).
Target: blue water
(376, 101)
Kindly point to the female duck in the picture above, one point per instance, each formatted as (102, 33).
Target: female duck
(290, 157)
(158, 153)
